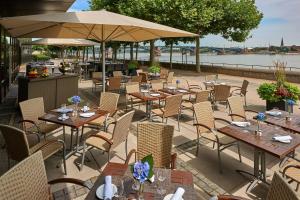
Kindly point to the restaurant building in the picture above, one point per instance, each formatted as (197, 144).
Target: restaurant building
(12, 54)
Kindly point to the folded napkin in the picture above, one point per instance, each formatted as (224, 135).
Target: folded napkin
(155, 94)
(182, 91)
(171, 87)
(283, 139)
(241, 124)
(108, 188)
(178, 194)
(273, 113)
(87, 114)
(144, 91)
(64, 110)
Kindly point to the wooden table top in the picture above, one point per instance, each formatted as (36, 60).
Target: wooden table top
(147, 96)
(265, 141)
(74, 122)
(212, 83)
(293, 125)
(175, 179)
(176, 91)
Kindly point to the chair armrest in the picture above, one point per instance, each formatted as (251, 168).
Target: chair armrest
(236, 115)
(49, 142)
(221, 119)
(132, 151)
(86, 184)
(203, 125)
(31, 122)
(36, 134)
(230, 197)
(289, 166)
(101, 137)
(173, 160)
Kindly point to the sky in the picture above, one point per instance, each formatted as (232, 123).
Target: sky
(281, 19)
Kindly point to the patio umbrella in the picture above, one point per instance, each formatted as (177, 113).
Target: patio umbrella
(62, 43)
(100, 25)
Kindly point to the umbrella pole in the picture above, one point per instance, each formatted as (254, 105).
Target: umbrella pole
(103, 65)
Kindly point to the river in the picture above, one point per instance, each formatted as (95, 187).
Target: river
(245, 59)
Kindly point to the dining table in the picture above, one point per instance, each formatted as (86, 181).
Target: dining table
(148, 96)
(212, 83)
(74, 121)
(122, 173)
(175, 91)
(262, 144)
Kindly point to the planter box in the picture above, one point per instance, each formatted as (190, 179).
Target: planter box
(281, 105)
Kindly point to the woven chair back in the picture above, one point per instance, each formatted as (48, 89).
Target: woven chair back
(170, 77)
(97, 75)
(144, 77)
(136, 79)
(109, 102)
(221, 92)
(236, 106)
(155, 139)
(211, 77)
(114, 83)
(157, 85)
(280, 189)
(204, 115)
(26, 180)
(117, 73)
(121, 129)
(244, 87)
(172, 106)
(202, 96)
(32, 109)
(16, 143)
(163, 73)
(132, 87)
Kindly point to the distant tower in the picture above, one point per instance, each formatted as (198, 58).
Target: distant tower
(282, 44)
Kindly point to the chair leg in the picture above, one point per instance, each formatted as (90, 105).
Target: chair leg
(64, 158)
(64, 133)
(213, 145)
(71, 142)
(219, 158)
(239, 151)
(297, 187)
(198, 140)
(126, 147)
(81, 136)
(83, 155)
(178, 116)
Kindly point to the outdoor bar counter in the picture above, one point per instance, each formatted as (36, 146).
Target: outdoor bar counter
(55, 89)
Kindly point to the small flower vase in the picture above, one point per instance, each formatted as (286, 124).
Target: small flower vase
(75, 111)
(177, 85)
(141, 192)
(289, 118)
(258, 131)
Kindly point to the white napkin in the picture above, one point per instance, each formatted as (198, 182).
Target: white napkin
(273, 113)
(64, 110)
(283, 139)
(178, 194)
(108, 190)
(144, 91)
(171, 87)
(88, 114)
(155, 94)
(182, 91)
(241, 124)
(85, 108)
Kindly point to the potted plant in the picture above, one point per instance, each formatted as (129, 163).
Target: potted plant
(132, 66)
(276, 94)
(155, 68)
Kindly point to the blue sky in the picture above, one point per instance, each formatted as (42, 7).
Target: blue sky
(281, 19)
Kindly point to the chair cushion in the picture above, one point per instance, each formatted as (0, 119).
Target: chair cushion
(99, 143)
(223, 139)
(47, 151)
(187, 105)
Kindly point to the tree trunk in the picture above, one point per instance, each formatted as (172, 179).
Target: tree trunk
(198, 54)
(83, 54)
(136, 51)
(124, 53)
(171, 54)
(152, 54)
(131, 51)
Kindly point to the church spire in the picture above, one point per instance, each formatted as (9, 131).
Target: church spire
(282, 44)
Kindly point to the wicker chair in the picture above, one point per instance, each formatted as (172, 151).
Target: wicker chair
(114, 84)
(17, 146)
(279, 190)
(155, 139)
(117, 73)
(205, 124)
(144, 76)
(137, 79)
(169, 78)
(292, 171)
(109, 103)
(220, 93)
(132, 88)
(97, 79)
(31, 110)
(212, 77)
(193, 88)
(164, 73)
(236, 108)
(28, 180)
(172, 107)
(157, 85)
(199, 97)
(241, 91)
(108, 142)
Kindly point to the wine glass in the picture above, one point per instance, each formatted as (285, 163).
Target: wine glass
(120, 191)
(161, 177)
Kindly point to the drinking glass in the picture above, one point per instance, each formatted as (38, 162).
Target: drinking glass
(161, 177)
(120, 191)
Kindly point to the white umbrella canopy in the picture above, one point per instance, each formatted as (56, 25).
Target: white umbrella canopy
(100, 25)
(62, 42)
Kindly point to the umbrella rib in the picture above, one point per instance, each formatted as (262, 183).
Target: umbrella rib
(70, 28)
(91, 30)
(38, 30)
(128, 32)
(112, 32)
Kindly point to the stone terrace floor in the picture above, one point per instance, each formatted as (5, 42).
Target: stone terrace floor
(207, 179)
